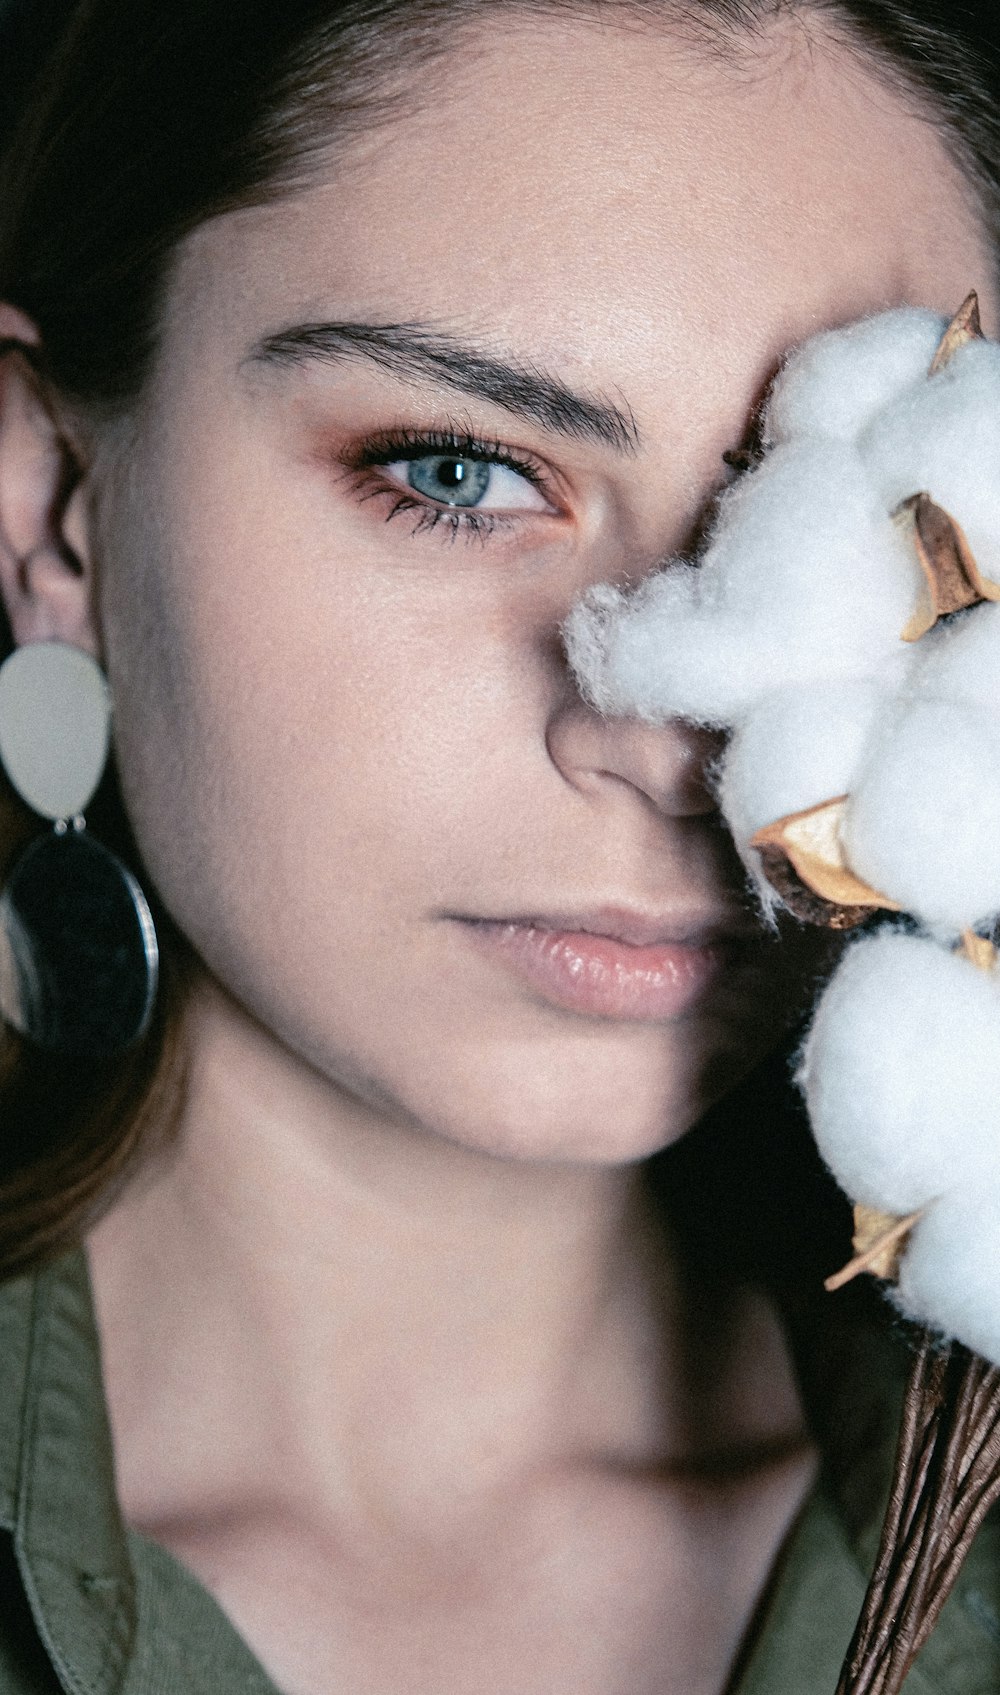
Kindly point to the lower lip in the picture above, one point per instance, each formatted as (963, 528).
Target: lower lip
(602, 976)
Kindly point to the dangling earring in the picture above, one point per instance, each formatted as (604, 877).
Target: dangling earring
(78, 952)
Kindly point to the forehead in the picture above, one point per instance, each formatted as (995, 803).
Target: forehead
(645, 214)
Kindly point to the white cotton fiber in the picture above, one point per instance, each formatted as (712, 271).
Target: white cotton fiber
(942, 438)
(805, 579)
(901, 1073)
(639, 653)
(950, 1273)
(589, 635)
(960, 660)
(837, 381)
(803, 555)
(796, 749)
(923, 822)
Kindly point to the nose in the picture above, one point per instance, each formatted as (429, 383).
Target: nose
(670, 765)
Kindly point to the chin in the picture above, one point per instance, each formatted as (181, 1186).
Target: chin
(590, 1108)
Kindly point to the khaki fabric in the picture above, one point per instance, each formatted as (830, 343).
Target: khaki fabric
(90, 1608)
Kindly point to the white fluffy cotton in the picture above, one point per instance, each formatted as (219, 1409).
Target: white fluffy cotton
(795, 750)
(798, 605)
(788, 632)
(901, 1073)
(804, 579)
(923, 823)
(949, 1278)
(960, 661)
(942, 438)
(924, 817)
(836, 383)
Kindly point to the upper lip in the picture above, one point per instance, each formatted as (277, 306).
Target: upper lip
(639, 929)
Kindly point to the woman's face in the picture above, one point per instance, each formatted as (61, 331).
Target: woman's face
(358, 771)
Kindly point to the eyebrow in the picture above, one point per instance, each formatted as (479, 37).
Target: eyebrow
(415, 351)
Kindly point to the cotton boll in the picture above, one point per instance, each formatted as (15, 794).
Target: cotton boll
(805, 561)
(663, 651)
(923, 822)
(942, 438)
(795, 538)
(795, 749)
(950, 1273)
(901, 1073)
(960, 660)
(805, 579)
(836, 382)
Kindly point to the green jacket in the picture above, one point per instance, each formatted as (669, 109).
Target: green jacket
(91, 1608)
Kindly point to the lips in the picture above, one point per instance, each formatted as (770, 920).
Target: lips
(637, 929)
(613, 963)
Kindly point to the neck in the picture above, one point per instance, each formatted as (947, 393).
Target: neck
(327, 1302)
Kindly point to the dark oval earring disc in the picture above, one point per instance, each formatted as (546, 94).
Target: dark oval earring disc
(78, 955)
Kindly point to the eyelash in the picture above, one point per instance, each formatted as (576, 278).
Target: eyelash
(392, 445)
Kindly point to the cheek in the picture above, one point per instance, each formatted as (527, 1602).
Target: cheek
(314, 748)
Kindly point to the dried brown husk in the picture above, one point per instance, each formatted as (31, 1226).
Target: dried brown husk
(965, 326)
(878, 1243)
(803, 859)
(952, 580)
(980, 951)
(871, 1231)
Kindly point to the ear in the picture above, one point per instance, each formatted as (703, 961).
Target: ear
(46, 576)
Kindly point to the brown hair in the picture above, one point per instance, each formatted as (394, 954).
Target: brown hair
(134, 121)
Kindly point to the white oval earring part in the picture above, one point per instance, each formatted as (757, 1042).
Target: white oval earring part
(79, 961)
(55, 727)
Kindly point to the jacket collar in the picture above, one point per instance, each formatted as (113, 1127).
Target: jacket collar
(57, 1497)
(57, 1491)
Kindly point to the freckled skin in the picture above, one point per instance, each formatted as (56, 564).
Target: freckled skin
(390, 1358)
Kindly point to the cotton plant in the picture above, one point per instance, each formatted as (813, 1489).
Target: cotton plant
(842, 625)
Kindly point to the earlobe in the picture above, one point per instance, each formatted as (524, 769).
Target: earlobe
(45, 575)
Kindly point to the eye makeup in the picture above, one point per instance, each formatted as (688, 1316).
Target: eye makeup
(456, 459)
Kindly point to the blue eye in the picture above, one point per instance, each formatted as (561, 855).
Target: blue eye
(460, 480)
(454, 482)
